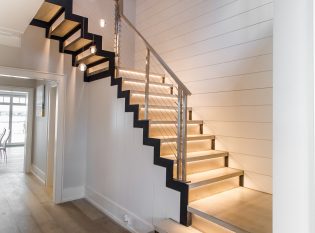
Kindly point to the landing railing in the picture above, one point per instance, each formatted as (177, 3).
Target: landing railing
(172, 108)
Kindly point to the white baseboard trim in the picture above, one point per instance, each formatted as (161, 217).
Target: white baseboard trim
(73, 193)
(38, 173)
(117, 212)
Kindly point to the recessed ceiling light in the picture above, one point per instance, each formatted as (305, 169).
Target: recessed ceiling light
(82, 67)
(102, 23)
(93, 49)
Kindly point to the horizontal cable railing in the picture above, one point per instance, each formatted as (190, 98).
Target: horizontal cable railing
(156, 88)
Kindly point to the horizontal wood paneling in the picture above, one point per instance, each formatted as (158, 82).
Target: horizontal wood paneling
(222, 50)
(249, 146)
(249, 130)
(231, 83)
(252, 97)
(253, 164)
(234, 113)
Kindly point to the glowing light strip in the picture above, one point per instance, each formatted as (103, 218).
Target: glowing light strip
(188, 141)
(155, 95)
(140, 73)
(151, 84)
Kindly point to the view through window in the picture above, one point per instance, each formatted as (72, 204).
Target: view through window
(13, 115)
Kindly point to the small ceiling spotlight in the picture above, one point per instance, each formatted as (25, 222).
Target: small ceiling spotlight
(82, 67)
(102, 23)
(93, 49)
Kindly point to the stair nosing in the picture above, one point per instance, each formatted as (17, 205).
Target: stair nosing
(235, 173)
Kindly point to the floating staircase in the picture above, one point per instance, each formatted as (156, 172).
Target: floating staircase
(213, 190)
(71, 30)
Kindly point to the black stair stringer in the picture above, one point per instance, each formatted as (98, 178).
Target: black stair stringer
(156, 144)
(144, 124)
(67, 6)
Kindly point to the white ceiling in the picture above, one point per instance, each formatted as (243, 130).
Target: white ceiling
(15, 16)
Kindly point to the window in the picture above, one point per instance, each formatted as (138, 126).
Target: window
(13, 115)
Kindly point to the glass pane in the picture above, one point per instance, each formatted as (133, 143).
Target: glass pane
(19, 116)
(6, 99)
(22, 100)
(4, 117)
(16, 100)
(1, 99)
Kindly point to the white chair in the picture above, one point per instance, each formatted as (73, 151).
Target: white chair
(3, 147)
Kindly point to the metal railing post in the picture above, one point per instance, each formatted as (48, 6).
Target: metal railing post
(184, 139)
(179, 133)
(147, 81)
(118, 5)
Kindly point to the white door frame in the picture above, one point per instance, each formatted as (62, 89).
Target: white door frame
(60, 108)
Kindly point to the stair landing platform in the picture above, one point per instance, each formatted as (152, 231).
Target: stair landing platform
(170, 226)
(239, 210)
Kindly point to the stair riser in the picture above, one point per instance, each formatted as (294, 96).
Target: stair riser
(98, 68)
(212, 189)
(153, 100)
(192, 146)
(125, 74)
(141, 87)
(171, 130)
(206, 226)
(60, 19)
(155, 114)
(202, 166)
(72, 38)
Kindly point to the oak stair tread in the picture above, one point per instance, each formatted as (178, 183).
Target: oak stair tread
(77, 44)
(152, 94)
(162, 107)
(191, 122)
(240, 210)
(138, 72)
(91, 58)
(64, 28)
(143, 82)
(47, 12)
(212, 176)
(166, 139)
(201, 155)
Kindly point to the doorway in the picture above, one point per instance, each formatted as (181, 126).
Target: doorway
(13, 128)
(60, 79)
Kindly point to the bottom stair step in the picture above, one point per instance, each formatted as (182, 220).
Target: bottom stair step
(240, 210)
(212, 176)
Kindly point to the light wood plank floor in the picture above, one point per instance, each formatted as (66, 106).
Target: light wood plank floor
(15, 161)
(26, 207)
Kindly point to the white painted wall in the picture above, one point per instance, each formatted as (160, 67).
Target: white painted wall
(293, 117)
(15, 16)
(121, 177)
(40, 136)
(222, 51)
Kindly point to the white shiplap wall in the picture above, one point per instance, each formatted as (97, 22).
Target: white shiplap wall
(222, 50)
